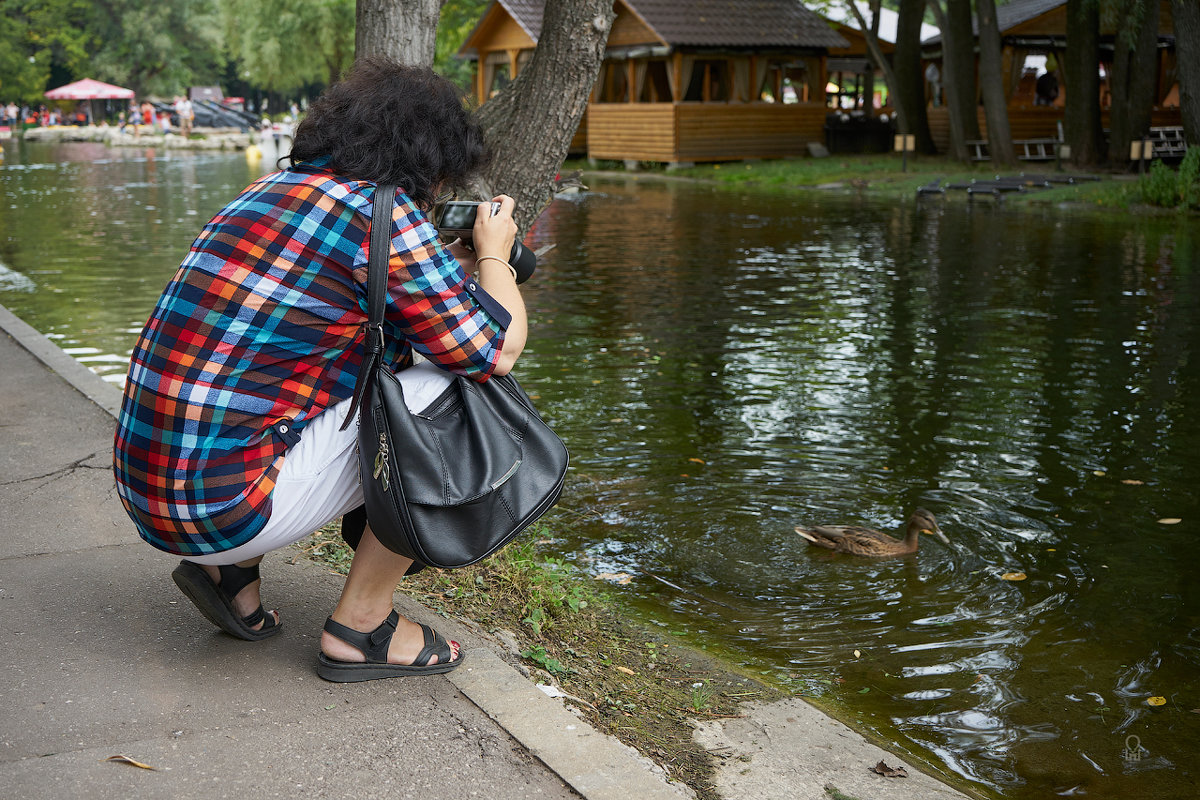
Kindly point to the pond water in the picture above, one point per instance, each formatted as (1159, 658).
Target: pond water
(728, 364)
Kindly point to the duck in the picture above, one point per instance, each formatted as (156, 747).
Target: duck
(866, 542)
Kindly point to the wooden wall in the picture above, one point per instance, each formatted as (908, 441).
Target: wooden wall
(698, 132)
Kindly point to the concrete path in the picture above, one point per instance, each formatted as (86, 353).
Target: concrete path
(102, 656)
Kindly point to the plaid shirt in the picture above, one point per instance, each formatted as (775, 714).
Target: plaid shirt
(259, 331)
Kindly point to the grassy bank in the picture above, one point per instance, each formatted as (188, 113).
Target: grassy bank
(571, 632)
(888, 175)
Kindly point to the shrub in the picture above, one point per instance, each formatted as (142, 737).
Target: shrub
(1165, 187)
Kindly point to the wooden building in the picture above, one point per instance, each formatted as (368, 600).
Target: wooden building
(683, 81)
(1039, 28)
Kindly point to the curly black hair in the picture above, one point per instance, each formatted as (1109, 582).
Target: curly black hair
(390, 123)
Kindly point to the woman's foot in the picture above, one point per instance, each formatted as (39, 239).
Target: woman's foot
(364, 655)
(406, 645)
(227, 596)
(247, 600)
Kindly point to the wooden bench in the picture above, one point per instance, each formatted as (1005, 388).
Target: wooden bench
(1026, 149)
(1167, 142)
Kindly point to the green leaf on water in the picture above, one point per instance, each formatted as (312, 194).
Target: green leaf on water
(864, 690)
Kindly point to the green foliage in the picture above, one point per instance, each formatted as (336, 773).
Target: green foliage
(283, 45)
(34, 34)
(1168, 188)
(543, 659)
(156, 48)
(457, 21)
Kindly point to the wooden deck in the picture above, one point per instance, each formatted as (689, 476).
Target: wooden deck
(1033, 124)
(702, 132)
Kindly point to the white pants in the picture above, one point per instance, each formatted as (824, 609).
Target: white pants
(319, 479)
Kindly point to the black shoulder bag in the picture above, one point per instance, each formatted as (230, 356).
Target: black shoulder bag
(453, 484)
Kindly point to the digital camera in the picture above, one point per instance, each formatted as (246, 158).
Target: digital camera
(457, 220)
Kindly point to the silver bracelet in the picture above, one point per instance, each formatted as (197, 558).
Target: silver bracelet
(502, 261)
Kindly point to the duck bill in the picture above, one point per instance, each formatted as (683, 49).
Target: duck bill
(940, 536)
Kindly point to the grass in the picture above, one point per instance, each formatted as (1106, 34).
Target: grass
(887, 175)
(571, 631)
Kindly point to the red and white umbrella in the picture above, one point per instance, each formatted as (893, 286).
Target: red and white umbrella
(88, 89)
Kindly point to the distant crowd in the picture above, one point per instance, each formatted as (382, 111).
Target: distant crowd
(157, 117)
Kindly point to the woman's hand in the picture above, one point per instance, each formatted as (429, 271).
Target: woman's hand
(494, 234)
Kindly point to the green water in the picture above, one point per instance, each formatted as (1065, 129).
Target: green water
(728, 364)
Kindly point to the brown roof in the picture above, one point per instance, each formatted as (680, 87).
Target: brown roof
(711, 23)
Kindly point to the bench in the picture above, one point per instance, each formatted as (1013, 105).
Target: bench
(1026, 149)
(1167, 142)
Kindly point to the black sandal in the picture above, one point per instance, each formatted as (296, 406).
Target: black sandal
(374, 646)
(215, 600)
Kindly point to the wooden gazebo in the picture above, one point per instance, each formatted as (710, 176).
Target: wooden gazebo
(706, 80)
(1039, 27)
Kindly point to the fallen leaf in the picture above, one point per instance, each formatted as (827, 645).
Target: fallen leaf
(889, 772)
(622, 578)
(626, 670)
(1156, 701)
(1170, 521)
(1099, 473)
(1132, 482)
(1013, 576)
(697, 460)
(857, 654)
(129, 761)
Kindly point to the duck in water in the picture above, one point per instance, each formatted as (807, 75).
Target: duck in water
(866, 542)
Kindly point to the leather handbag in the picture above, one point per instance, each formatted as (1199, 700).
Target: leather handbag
(454, 483)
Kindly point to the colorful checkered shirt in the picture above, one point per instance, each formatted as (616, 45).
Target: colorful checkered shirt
(259, 331)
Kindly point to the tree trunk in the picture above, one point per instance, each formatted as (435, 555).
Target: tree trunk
(954, 76)
(1187, 60)
(1081, 119)
(1133, 76)
(910, 77)
(869, 78)
(530, 124)
(871, 33)
(991, 77)
(959, 35)
(402, 30)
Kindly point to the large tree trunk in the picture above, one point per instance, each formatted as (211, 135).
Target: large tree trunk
(991, 77)
(1187, 60)
(530, 124)
(1133, 76)
(1081, 119)
(954, 76)
(959, 36)
(910, 78)
(402, 30)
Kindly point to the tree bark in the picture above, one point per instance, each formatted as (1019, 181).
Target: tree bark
(909, 75)
(991, 78)
(402, 30)
(871, 33)
(954, 76)
(1081, 118)
(869, 78)
(1187, 59)
(959, 36)
(1133, 75)
(530, 124)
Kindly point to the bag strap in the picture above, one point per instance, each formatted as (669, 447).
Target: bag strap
(379, 248)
